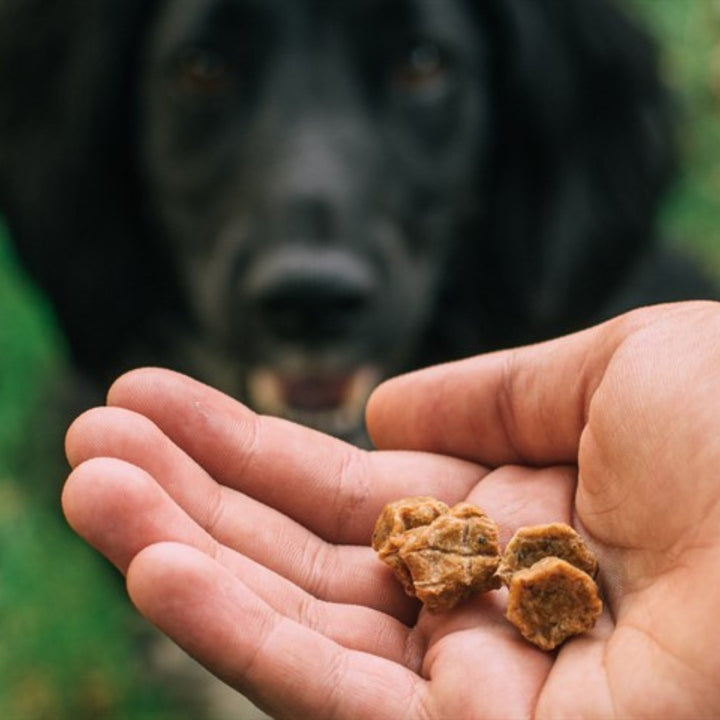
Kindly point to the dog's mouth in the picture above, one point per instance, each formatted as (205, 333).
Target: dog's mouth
(333, 402)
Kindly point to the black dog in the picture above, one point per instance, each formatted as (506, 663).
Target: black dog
(293, 199)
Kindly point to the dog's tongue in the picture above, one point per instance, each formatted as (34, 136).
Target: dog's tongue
(316, 393)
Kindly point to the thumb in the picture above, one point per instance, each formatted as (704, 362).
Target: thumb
(526, 405)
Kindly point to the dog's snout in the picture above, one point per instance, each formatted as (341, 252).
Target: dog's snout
(311, 297)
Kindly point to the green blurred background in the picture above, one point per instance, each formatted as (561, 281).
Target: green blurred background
(65, 647)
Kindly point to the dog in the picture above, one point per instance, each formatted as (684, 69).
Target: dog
(295, 199)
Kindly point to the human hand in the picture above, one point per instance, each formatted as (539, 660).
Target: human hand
(245, 538)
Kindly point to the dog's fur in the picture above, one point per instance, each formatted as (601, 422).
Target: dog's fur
(294, 198)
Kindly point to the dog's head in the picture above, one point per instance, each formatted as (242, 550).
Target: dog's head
(310, 166)
(296, 198)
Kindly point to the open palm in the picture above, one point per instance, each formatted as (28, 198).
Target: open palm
(246, 539)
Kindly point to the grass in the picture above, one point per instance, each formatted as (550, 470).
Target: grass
(66, 631)
(690, 34)
(30, 350)
(66, 648)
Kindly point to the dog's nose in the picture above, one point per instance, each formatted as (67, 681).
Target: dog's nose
(311, 297)
(312, 308)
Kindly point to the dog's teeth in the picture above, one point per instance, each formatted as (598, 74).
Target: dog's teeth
(267, 396)
(265, 392)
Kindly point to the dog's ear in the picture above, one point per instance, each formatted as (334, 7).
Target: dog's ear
(584, 150)
(66, 166)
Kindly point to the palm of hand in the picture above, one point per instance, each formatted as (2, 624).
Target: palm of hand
(640, 485)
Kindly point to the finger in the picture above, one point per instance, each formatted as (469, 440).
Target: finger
(327, 485)
(117, 433)
(526, 405)
(281, 665)
(120, 510)
(344, 573)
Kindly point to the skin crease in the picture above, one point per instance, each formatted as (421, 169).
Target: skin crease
(613, 429)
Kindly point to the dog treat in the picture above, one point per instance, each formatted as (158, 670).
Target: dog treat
(395, 521)
(551, 601)
(549, 571)
(403, 515)
(441, 555)
(532, 543)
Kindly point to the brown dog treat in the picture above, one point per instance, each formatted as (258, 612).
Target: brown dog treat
(396, 519)
(443, 555)
(551, 601)
(533, 543)
(402, 515)
(453, 558)
(440, 555)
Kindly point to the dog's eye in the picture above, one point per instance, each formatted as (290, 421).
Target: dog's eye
(203, 71)
(423, 68)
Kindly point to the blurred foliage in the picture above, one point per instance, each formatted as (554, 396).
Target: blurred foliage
(689, 35)
(67, 635)
(30, 350)
(66, 647)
